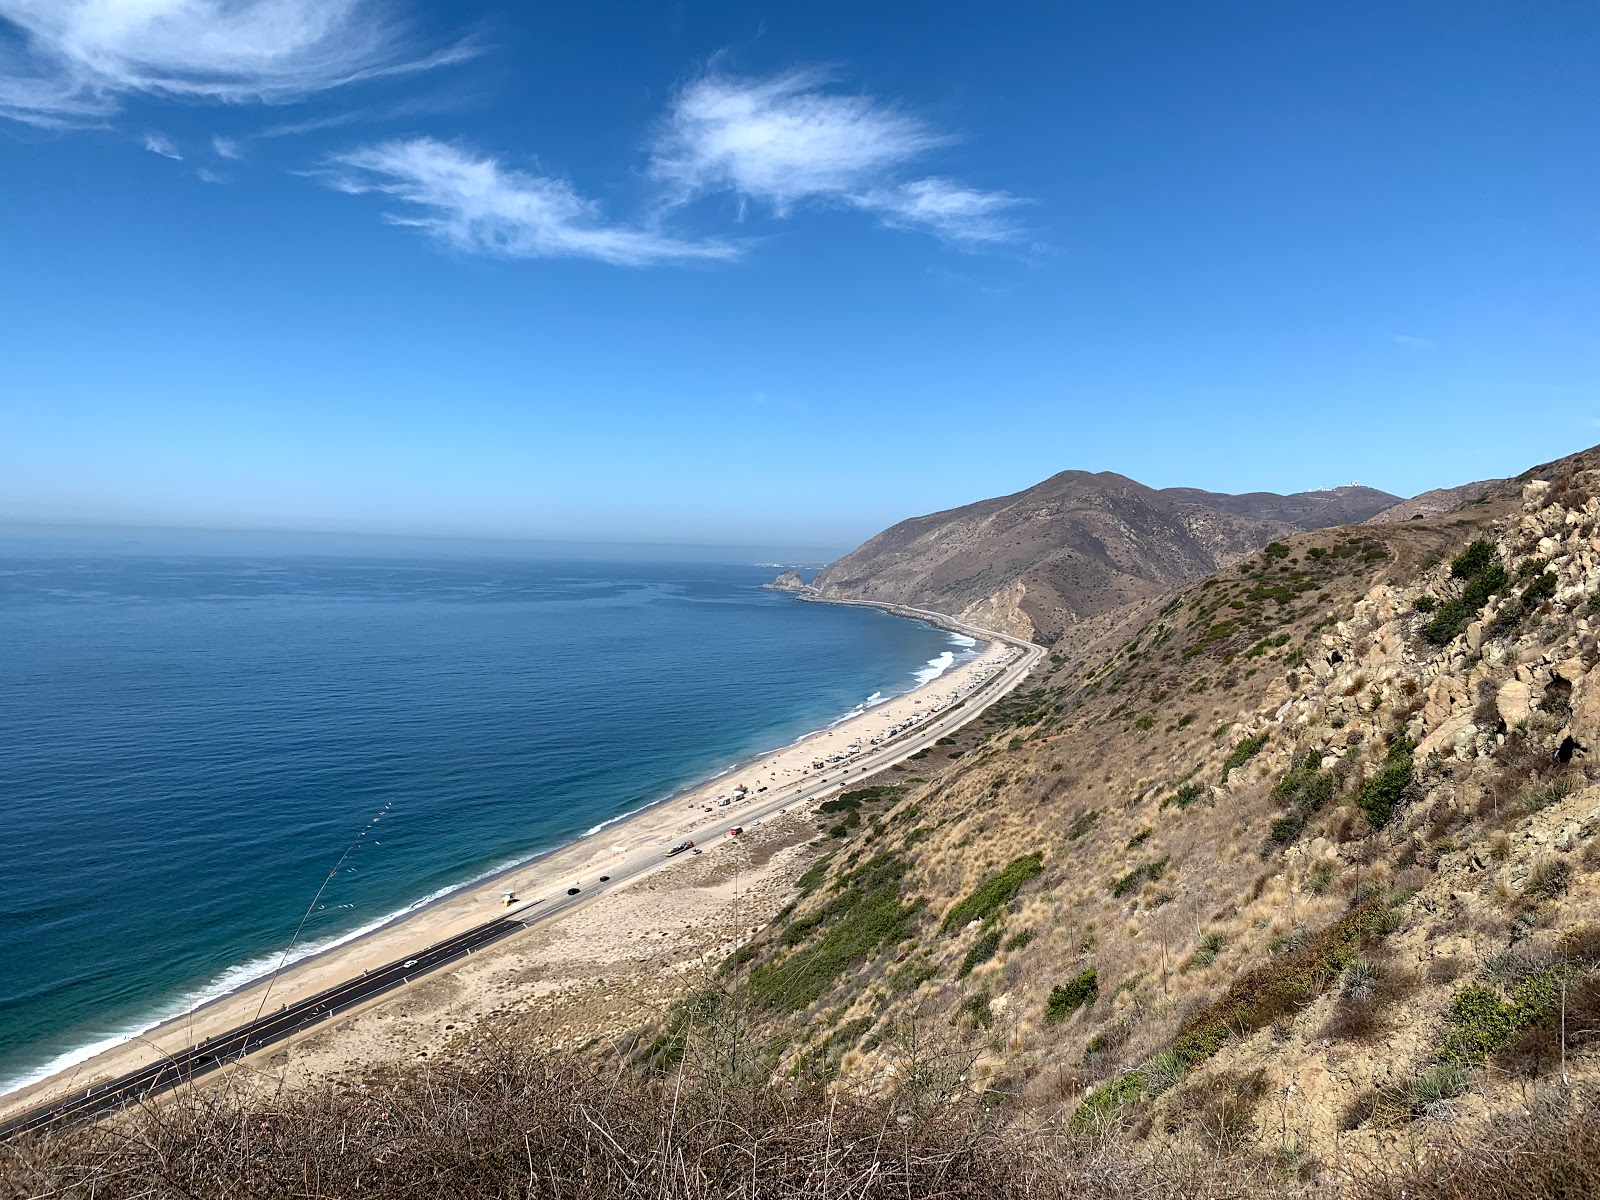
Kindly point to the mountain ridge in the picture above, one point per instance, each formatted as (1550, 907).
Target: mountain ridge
(1037, 561)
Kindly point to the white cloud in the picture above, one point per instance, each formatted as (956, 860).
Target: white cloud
(160, 143)
(297, 128)
(781, 140)
(788, 140)
(68, 62)
(960, 214)
(478, 205)
(226, 148)
(207, 175)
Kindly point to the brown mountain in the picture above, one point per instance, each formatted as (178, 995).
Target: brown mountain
(1078, 544)
(1439, 500)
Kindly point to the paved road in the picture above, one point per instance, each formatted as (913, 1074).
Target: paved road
(286, 1022)
(300, 1017)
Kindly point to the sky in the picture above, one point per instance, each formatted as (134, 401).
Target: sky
(724, 273)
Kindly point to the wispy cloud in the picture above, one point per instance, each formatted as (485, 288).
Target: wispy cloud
(160, 143)
(789, 140)
(226, 148)
(954, 212)
(477, 204)
(207, 175)
(66, 62)
(311, 125)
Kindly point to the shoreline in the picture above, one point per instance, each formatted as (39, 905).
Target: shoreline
(423, 921)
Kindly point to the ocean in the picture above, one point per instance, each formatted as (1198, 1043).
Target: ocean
(193, 730)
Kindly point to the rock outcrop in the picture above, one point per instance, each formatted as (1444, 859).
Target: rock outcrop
(788, 581)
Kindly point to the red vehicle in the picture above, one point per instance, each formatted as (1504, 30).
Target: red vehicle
(736, 831)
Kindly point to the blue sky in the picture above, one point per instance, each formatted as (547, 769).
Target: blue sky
(730, 273)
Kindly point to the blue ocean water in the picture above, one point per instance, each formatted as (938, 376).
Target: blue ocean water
(188, 742)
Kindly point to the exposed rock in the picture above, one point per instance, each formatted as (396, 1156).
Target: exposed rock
(788, 581)
(1512, 701)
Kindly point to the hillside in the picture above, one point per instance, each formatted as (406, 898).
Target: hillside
(1295, 861)
(1439, 500)
(1077, 545)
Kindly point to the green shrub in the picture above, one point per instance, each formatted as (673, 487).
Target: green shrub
(1444, 1082)
(814, 876)
(1265, 644)
(1481, 1023)
(1186, 795)
(1162, 1072)
(1102, 1105)
(1134, 878)
(1067, 998)
(910, 976)
(1221, 631)
(1287, 827)
(1018, 940)
(1082, 823)
(1426, 604)
(1281, 987)
(977, 1006)
(1517, 608)
(1244, 752)
(1548, 879)
(995, 892)
(739, 957)
(1210, 946)
(866, 915)
(1481, 577)
(1382, 794)
(1306, 789)
(982, 951)
(1472, 560)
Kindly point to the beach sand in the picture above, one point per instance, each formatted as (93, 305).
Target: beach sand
(660, 927)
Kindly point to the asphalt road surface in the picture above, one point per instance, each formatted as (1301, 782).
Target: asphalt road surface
(298, 1018)
(247, 1039)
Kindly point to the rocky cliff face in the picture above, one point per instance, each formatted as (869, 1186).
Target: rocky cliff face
(1078, 544)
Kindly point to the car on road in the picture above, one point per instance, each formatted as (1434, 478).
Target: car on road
(736, 831)
(410, 962)
(605, 879)
(680, 848)
(572, 891)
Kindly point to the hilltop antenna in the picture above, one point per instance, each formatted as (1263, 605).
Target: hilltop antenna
(310, 908)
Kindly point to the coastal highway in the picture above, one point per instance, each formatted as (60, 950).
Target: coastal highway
(286, 1022)
(303, 1016)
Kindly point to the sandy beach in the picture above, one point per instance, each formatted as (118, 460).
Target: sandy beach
(669, 914)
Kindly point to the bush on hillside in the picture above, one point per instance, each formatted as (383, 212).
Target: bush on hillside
(995, 892)
(1067, 998)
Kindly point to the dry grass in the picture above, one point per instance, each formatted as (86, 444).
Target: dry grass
(1550, 1150)
(512, 1126)
(517, 1127)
